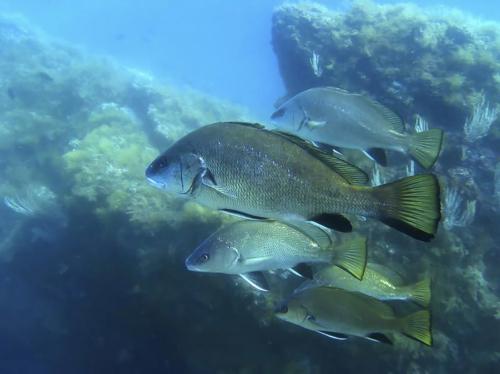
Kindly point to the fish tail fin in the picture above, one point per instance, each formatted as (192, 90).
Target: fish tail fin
(351, 256)
(420, 292)
(411, 205)
(425, 147)
(418, 326)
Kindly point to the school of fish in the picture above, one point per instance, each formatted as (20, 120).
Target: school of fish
(294, 195)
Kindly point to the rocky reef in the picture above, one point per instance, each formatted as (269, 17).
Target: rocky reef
(436, 63)
(93, 258)
(87, 248)
(437, 67)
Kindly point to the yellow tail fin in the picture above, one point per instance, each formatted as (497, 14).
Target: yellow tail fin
(411, 205)
(351, 256)
(418, 326)
(421, 292)
(425, 147)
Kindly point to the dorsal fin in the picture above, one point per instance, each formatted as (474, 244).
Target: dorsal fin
(384, 271)
(393, 120)
(316, 233)
(350, 173)
(249, 124)
(282, 100)
(382, 309)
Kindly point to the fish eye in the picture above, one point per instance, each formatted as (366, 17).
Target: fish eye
(204, 258)
(161, 163)
(278, 114)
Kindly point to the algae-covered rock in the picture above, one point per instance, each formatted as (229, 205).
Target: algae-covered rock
(108, 121)
(445, 66)
(437, 63)
(107, 167)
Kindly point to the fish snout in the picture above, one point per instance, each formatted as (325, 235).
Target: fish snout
(190, 265)
(152, 178)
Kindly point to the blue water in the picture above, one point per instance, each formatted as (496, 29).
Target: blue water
(221, 47)
(88, 290)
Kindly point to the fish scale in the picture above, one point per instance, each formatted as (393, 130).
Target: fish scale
(280, 177)
(246, 169)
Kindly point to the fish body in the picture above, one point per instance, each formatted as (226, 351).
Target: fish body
(259, 245)
(378, 282)
(256, 246)
(343, 313)
(343, 119)
(248, 170)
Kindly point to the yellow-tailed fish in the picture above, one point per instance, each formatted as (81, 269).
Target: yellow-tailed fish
(244, 169)
(248, 247)
(343, 119)
(378, 282)
(339, 313)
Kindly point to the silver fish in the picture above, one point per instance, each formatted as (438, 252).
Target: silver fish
(250, 246)
(343, 119)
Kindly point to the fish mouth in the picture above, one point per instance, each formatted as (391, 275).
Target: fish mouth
(278, 114)
(155, 183)
(190, 266)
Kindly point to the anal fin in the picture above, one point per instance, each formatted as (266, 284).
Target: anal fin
(378, 155)
(239, 214)
(335, 222)
(302, 270)
(379, 338)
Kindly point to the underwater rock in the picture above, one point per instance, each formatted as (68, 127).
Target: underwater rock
(444, 66)
(107, 120)
(436, 63)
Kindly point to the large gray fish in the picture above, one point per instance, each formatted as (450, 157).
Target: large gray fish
(378, 282)
(253, 172)
(249, 247)
(339, 313)
(340, 118)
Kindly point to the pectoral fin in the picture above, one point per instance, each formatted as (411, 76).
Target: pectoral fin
(195, 185)
(256, 279)
(208, 180)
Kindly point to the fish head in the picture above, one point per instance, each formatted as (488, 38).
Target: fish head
(175, 172)
(289, 116)
(293, 311)
(216, 254)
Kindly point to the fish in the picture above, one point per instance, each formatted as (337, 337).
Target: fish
(349, 120)
(339, 314)
(248, 247)
(244, 169)
(378, 282)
